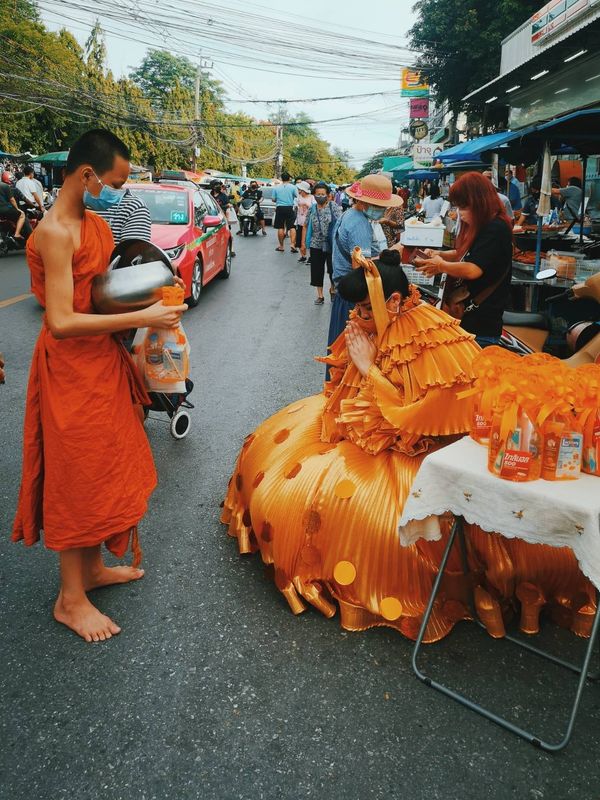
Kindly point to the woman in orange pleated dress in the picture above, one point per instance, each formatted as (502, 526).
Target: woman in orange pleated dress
(319, 487)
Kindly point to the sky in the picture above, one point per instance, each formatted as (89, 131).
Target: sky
(386, 21)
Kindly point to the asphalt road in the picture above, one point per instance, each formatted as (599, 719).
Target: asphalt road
(214, 689)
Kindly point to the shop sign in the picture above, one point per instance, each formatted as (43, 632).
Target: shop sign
(419, 107)
(423, 154)
(556, 15)
(418, 129)
(414, 84)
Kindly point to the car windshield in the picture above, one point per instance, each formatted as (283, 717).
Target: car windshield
(166, 208)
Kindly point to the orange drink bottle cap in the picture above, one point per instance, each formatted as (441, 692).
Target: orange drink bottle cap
(172, 295)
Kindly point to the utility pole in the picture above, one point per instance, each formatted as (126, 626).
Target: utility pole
(202, 64)
(279, 141)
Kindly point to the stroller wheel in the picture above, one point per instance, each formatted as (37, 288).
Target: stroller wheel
(180, 424)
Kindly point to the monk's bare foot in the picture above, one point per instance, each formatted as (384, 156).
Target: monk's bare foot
(107, 576)
(85, 619)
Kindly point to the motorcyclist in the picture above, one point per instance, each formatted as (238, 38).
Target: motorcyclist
(9, 208)
(255, 194)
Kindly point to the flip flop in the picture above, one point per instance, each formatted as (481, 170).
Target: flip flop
(280, 249)
(294, 249)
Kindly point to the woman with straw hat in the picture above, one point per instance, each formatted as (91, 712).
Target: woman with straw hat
(371, 196)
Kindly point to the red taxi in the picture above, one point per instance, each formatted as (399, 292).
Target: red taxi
(191, 228)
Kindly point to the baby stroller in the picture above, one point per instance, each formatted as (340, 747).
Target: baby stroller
(175, 405)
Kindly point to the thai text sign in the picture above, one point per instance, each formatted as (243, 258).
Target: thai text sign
(422, 154)
(414, 84)
(555, 15)
(419, 107)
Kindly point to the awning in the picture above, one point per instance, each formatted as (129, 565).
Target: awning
(469, 151)
(51, 158)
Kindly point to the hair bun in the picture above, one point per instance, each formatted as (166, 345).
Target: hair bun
(390, 257)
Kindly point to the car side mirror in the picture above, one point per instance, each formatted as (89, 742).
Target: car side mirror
(211, 221)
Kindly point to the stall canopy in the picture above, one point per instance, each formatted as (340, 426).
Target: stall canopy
(469, 151)
(424, 175)
(52, 159)
(575, 133)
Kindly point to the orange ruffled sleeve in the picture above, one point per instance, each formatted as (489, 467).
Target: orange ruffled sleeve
(424, 362)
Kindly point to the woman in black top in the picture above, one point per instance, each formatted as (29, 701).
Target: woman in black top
(482, 260)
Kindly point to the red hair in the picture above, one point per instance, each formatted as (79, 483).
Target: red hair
(477, 194)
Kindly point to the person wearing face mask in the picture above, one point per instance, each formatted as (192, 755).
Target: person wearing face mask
(87, 469)
(372, 196)
(320, 486)
(125, 212)
(317, 236)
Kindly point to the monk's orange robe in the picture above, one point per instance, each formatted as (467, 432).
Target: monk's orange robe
(87, 466)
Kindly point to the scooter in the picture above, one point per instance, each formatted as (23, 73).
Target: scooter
(248, 217)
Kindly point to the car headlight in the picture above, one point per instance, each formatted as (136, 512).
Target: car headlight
(174, 252)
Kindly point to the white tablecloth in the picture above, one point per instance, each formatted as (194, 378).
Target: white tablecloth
(456, 479)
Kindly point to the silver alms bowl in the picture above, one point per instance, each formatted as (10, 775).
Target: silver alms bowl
(117, 291)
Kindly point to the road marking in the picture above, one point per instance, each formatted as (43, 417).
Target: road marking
(12, 300)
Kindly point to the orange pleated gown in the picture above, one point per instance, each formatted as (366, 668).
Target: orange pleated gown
(319, 489)
(87, 466)
(320, 486)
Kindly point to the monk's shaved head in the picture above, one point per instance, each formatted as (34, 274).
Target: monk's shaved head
(99, 148)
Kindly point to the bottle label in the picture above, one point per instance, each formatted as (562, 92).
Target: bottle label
(516, 465)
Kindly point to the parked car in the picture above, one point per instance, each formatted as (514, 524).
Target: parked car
(267, 203)
(191, 228)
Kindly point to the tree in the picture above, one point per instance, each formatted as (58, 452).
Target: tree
(160, 70)
(375, 163)
(95, 49)
(460, 42)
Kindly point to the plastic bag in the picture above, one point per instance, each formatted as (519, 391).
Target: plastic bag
(163, 355)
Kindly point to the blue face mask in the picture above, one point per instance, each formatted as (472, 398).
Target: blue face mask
(107, 198)
(373, 213)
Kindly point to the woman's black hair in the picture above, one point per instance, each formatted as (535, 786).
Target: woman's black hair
(574, 181)
(353, 286)
(321, 185)
(434, 191)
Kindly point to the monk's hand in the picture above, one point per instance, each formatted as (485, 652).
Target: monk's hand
(162, 316)
(361, 349)
(430, 266)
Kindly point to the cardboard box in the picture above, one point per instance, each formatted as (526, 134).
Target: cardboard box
(423, 236)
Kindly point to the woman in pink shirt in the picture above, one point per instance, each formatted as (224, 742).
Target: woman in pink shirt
(305, 201)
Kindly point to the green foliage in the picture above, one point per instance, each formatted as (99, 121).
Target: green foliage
(460, 41)
(52, 90)
(375, 163)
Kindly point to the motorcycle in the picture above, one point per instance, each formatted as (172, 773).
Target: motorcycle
(248, 217)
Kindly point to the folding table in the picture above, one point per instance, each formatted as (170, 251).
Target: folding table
(562, 514)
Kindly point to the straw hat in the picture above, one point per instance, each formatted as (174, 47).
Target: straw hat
(376, 190)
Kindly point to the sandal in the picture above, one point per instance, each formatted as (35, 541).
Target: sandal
(302, 258)
(294, 249)
(280, 249)
(319, 301)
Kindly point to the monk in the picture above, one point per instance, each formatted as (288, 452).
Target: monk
(87, 467)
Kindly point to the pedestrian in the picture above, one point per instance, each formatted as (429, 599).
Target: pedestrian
(321, 219)
(571, 196)
(87, 466)
(126, 213)
(487, 173)
(29, 188)
(235, 195)
(304, 203)
(371, 196)
(9, 208)
(285, 196)
(514, 190)
(222, 199)
(479, 269)
(392, 222)
(432, 203)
